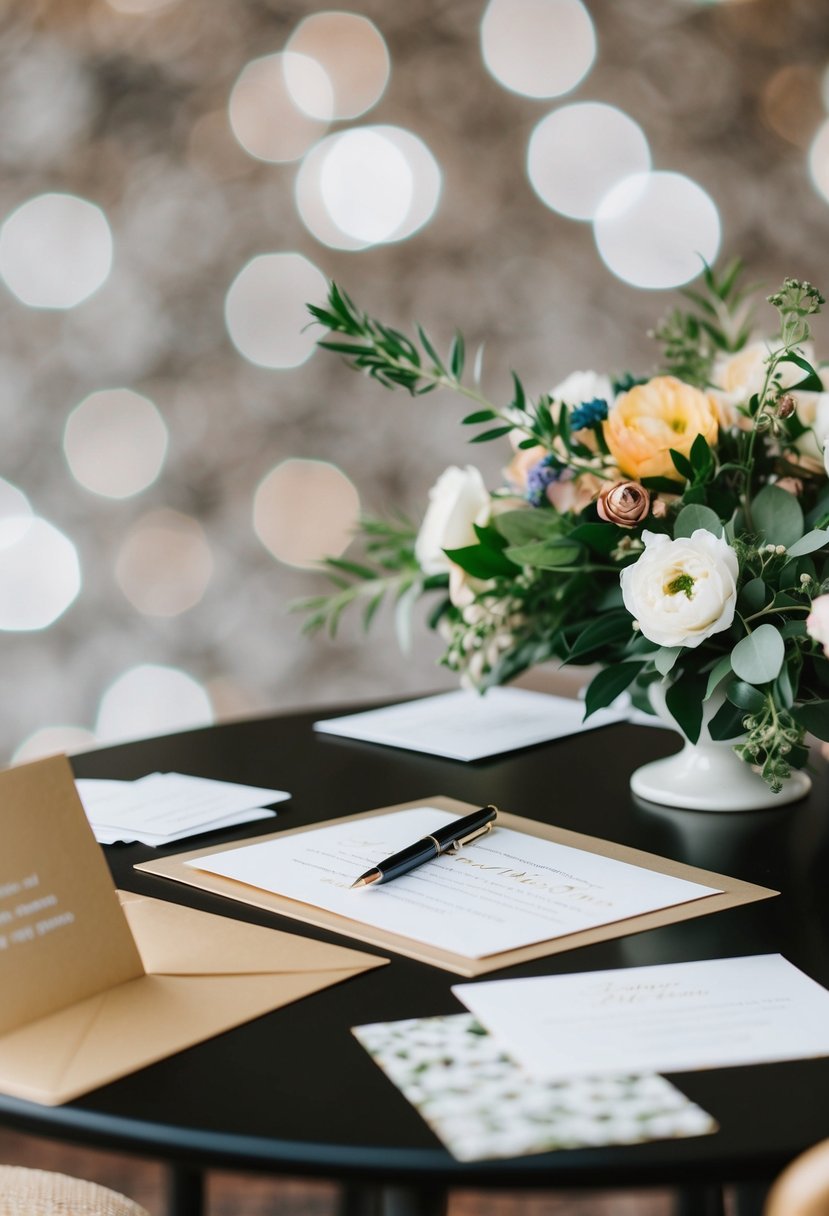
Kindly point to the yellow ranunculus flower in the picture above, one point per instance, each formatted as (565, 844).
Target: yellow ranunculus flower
(650, 419)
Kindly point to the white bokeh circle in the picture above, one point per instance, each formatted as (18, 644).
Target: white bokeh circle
(577, 153)
(40, 576)
(819, 159)
(656, 230)
(352, 52)
(304, 511)
(55, 251)
(327, 211)
(270, 104)
(115, 442)
(151, 699)
(367, 185)
(539, 48)
(15, 513)
(266, 309)
(50, 740)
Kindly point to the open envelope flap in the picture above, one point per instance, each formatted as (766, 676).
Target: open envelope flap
(68, 1053)
(175, 940)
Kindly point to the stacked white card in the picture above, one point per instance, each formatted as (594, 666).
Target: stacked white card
(164, 807)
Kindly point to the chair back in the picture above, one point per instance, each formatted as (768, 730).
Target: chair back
(26, 1192)
(803, 1187)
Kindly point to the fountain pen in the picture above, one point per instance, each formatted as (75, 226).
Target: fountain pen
(443, 840)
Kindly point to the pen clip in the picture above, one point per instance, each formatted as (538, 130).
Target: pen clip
(457, 845)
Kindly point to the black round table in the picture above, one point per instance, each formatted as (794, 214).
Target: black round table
(293, 1092)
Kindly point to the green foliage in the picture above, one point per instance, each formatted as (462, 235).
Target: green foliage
(390, 570)
(717, 319)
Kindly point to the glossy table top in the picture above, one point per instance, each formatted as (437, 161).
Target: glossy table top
(294, 1092)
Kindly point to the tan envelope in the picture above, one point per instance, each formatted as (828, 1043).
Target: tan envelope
(92, 989)
(205, 974)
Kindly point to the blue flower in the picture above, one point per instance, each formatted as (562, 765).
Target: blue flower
(588, 413)
(540, 476)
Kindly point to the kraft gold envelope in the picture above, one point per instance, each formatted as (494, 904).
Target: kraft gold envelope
(95, 987)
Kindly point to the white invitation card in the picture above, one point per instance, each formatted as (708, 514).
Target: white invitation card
(467, 725)
(506, 890)
(670, 1018)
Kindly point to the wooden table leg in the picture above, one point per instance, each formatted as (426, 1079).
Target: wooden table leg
(185, 1191)
(367, 1200)
(700, 1201)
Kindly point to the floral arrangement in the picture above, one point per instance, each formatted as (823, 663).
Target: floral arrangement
(670, 528)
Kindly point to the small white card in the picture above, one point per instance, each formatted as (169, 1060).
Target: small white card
(466, 725)
(506, 890)
(676, 1017)
(483, 1106)
(164, 807)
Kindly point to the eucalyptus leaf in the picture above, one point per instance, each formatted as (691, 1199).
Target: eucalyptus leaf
(665, 658)
(693, 517)
(816, 539)
(719, 672)
(754, 596)
(758, 657)
(546, 555)
(777, 516)
(522, 526)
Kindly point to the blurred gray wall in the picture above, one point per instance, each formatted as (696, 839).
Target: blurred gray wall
(128, 110)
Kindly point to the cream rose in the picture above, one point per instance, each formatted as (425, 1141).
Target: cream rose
(579, 387)
(457, 500)
(651, 419)
(736, 377)
(813, 411)
(682, 591)
(817, 622)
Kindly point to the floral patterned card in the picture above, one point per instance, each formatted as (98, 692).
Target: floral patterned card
(481, 1105)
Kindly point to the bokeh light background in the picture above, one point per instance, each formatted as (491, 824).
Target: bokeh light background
(178, 178)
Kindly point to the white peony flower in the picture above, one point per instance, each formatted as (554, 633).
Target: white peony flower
(583, 386)
(817, 622)
(682, 591)
(457, 500)
(813, 411)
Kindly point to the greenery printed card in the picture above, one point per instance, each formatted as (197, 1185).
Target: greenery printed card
(482, 1105)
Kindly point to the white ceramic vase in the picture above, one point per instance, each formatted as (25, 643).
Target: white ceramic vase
(708, 775)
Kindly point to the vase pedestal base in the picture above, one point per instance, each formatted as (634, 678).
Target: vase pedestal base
(712, 778)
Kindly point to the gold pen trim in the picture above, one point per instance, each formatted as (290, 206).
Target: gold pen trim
(457, 845)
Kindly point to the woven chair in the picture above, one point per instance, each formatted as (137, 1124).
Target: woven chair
(25, 1192)
(803, 1187)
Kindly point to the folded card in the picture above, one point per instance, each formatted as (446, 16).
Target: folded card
(93, 986)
